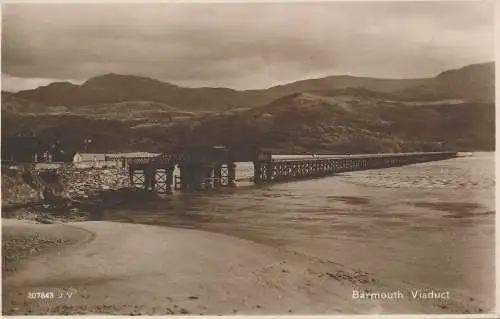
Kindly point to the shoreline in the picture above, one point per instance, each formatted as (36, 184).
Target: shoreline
(22, 239)
(47, 212)
(128, 269)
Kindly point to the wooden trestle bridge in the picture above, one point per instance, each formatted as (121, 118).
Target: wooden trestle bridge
(214, 167)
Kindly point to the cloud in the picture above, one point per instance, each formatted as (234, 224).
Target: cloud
(243, 45)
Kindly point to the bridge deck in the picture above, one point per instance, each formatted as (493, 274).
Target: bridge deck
(354, 156)
(282, 169)
(213, 170)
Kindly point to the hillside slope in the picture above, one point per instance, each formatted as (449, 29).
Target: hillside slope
(352, 121)
(473, 82)
(453, 111)
(299, 123)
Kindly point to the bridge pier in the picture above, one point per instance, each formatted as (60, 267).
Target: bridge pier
(257, 172)
(264, 171)
(217, 175)
(162, 180)
(200, 176)
(136, 177)
(157, 179)
(191, 176)
(228, 175)
(149, 179)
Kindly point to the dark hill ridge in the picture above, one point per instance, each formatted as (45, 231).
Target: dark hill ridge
(112, 88)
(453, 111)
(473, 83)
(332, 121)
(341, 82)
(112, 81)
(352, 121)
(57, 93)
(473, 73)
(137, 111)
(16, 105)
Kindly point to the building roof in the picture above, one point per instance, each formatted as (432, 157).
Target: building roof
(90, 157)
(131, 155)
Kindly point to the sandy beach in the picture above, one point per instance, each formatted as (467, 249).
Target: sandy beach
(123, 269)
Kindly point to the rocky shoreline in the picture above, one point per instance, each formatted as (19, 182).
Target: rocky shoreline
(69, 210)
(68, 194)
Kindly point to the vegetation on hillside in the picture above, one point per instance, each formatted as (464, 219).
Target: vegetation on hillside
(453, 111)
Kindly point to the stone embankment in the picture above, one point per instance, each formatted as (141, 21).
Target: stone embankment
(85, 183)
(16, 190)
(41, 195)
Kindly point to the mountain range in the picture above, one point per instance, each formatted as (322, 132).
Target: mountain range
(474, 82)
(346, 114)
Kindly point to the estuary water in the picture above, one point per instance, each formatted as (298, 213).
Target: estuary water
(428, 225)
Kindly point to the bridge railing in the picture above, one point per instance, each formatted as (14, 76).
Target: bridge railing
(275, 158)
(289, 169)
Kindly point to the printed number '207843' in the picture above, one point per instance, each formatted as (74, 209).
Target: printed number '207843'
(41, 295)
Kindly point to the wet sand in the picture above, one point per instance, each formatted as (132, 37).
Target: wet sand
(26, 238)
(123, 269)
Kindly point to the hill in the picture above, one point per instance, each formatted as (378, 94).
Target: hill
(17, 105)
(473, 83)
(353, 121)
(453, 111)
(123, 111)
(335, 121)
(113, 88)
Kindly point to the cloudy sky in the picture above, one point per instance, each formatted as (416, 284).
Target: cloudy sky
(243, 45)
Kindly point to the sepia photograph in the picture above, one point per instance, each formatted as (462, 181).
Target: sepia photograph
(248, 158)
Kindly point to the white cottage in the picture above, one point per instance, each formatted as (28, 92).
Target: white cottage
(89, 159)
